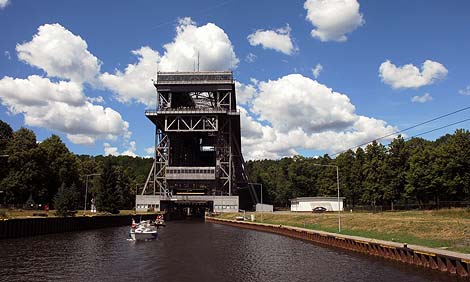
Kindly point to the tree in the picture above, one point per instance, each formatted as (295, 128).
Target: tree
(348, 171)
(396, 167)
(123, 188)
(302, 175)
(6, 134)
(62, 166)
(66, 200)
(374, 171)
(454, 156)
(326, 177)
(108, 196)
(25, 178)
(425, 177)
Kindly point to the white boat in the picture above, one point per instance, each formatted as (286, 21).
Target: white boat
(143, 231)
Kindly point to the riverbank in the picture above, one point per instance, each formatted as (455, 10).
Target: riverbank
(21, 213)
(444, 229)
(39, 225)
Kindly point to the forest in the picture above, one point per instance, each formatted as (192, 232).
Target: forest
(414, 173)
(37, 173)
(404, 174)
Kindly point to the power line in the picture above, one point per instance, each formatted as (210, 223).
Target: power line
(468, 119)
(408, 128)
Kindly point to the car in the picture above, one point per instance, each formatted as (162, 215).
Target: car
(319, 209)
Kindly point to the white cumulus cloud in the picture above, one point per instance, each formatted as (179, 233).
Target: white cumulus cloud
(150, 150)
(278, 40)
(109, 150)
(4, 3)
(465, 91)
(60, 53)
(130, 150)
(208, 43)
(250, 58)
(296, 101)
(333, 19)
(134, 84)
(295, 112)
(245, 92)
(422, 99)
(317, 70)
(410, 76)
(61, 106)
(114, 151)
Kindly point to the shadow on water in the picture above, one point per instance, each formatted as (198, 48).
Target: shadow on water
(178, 210)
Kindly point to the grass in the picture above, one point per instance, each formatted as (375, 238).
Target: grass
(446, 229)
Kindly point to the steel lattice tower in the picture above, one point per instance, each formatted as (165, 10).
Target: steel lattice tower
(197, 138)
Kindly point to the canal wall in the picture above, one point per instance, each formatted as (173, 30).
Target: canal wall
(428, 258)
(21, 227)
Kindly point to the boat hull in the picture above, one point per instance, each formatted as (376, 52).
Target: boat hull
(142, 236)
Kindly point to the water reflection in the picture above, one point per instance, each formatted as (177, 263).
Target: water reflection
(191, 251)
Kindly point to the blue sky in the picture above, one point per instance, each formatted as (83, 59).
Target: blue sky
(67, 67)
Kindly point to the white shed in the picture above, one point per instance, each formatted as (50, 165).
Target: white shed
(307, 204)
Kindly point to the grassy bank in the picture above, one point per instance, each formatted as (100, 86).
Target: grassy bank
(446, 229)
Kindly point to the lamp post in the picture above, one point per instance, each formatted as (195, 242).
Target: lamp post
(86, 189)
(262, 207)
(337, 183)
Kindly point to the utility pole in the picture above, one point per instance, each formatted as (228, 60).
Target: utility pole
(86, 189)
(262, 206)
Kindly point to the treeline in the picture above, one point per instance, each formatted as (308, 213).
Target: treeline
(37, 173)
(414, 172)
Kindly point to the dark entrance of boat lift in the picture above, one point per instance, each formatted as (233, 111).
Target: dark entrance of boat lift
(184, 209)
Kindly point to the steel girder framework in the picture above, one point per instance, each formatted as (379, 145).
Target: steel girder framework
(182, 123)
(199, 110)
(156, 178)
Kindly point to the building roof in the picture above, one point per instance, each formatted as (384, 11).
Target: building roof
(307, 199)
(200, 77)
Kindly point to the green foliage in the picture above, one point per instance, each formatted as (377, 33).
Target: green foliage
(396, 166)
(25, 175)
(66, 200)
(374, 171)
(62, 165)
(6, 134)
(34, 171)
(108, 196)
(416, 171)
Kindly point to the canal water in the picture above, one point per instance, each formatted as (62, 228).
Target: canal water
(191, 251)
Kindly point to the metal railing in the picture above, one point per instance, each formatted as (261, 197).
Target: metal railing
(189, 110)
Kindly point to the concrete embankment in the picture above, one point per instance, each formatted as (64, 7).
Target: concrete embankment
(20, 227)
(442, 260)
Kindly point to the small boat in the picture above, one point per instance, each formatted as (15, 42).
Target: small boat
(142, 231)
(159, 221)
